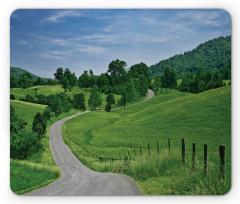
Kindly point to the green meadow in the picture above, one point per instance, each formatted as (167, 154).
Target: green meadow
(203, 118)
(54, 89)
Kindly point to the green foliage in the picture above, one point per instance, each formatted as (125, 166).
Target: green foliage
(110, 99)
(25, 82)
(22, 142)
(95, 99)
(83, 80)
(13, 82)
(66, 101)
(65, 84)
(169, 78)
(108, 107)
(39, 124)
(55, 103)
(59, 74)
(215, 53)
(123, 100)
(47, 113)
(117, 71)
(12, 97)
(79, 101)
(201, 81)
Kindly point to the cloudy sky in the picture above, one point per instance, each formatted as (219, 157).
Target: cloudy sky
(43, 40)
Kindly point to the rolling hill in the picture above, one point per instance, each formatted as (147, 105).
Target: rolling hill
(17, 72)
(213, 54)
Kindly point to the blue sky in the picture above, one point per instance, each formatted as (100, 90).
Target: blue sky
(43, 40)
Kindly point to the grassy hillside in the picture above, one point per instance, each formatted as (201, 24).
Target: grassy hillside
(27, 111)
(47, 90)
(203, 118)
(39, 169)
(212, 54)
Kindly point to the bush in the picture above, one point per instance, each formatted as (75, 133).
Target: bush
(108, 107)
(12, 97)
(23, 144)
(30, 99)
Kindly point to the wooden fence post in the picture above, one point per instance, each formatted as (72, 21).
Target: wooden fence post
(183, 151)
(157, 148)
(205, 158)
(193, 155)
(141, 150)
(222, 161)
(149, 149)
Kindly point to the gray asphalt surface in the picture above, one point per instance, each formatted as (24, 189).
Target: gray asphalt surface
(76, 179)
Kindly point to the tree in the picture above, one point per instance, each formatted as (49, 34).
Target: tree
(103, 82)
(139, 69)
(22, 143)
(118, 73)
(79, 101)
(95, 98)
(39, 124)
(66, 101)
(91, 72)
(108, 107)
(142, 85)
(25, 82)
(13, 82)
(110, 99)
(65, 84)
(55, 103)
(59, 74)
(130, 92)
(83, 80)
(169, 78)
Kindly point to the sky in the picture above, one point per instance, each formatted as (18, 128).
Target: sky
(44, 39)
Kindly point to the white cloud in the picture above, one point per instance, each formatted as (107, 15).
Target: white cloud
(203, 17)
(60, 15)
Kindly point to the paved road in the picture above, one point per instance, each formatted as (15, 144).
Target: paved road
(77, 179)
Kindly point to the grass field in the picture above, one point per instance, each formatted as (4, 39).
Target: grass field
(203, 118)
(47, 90)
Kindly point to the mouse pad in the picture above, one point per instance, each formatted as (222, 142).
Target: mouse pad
(120, 102)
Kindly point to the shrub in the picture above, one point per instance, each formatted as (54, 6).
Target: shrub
(12, 97)
(108, 107)
(47, 113)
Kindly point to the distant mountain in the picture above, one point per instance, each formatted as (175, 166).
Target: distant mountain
(17, 72)
(213, 54)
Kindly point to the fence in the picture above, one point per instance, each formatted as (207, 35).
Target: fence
(130, 156)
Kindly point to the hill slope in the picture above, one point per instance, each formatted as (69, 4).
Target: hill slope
(212, 54)
(17, 72)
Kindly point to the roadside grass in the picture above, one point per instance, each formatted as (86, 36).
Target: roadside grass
(35, 171)
(203, 118)
(54, 89)
(26, 176)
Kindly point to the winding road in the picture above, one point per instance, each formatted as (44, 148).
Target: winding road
(77, 179)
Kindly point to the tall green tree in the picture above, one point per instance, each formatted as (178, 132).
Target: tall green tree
(79, 101)
(55, 103)
(25, 82)
(95, 99)
(13, 82)
(83, 80)
(39, 124)
(59, 74)
(117, 71)
(169, 78)
(66, 101)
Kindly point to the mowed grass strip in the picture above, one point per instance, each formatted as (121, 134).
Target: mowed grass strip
(203, 118)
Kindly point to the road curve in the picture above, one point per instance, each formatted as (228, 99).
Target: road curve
(76, 179)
